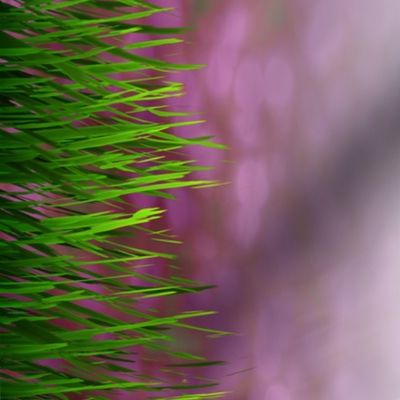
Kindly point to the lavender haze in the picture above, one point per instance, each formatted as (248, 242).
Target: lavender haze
(303, 241)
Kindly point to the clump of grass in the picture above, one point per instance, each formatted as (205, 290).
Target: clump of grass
(83, 125)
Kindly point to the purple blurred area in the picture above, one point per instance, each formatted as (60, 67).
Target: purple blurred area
(303, 242)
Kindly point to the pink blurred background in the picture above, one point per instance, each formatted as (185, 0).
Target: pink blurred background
(303, 242)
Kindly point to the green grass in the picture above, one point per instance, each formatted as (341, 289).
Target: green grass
(83, 124)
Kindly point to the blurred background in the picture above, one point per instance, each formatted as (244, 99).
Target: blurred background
(304, 241)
